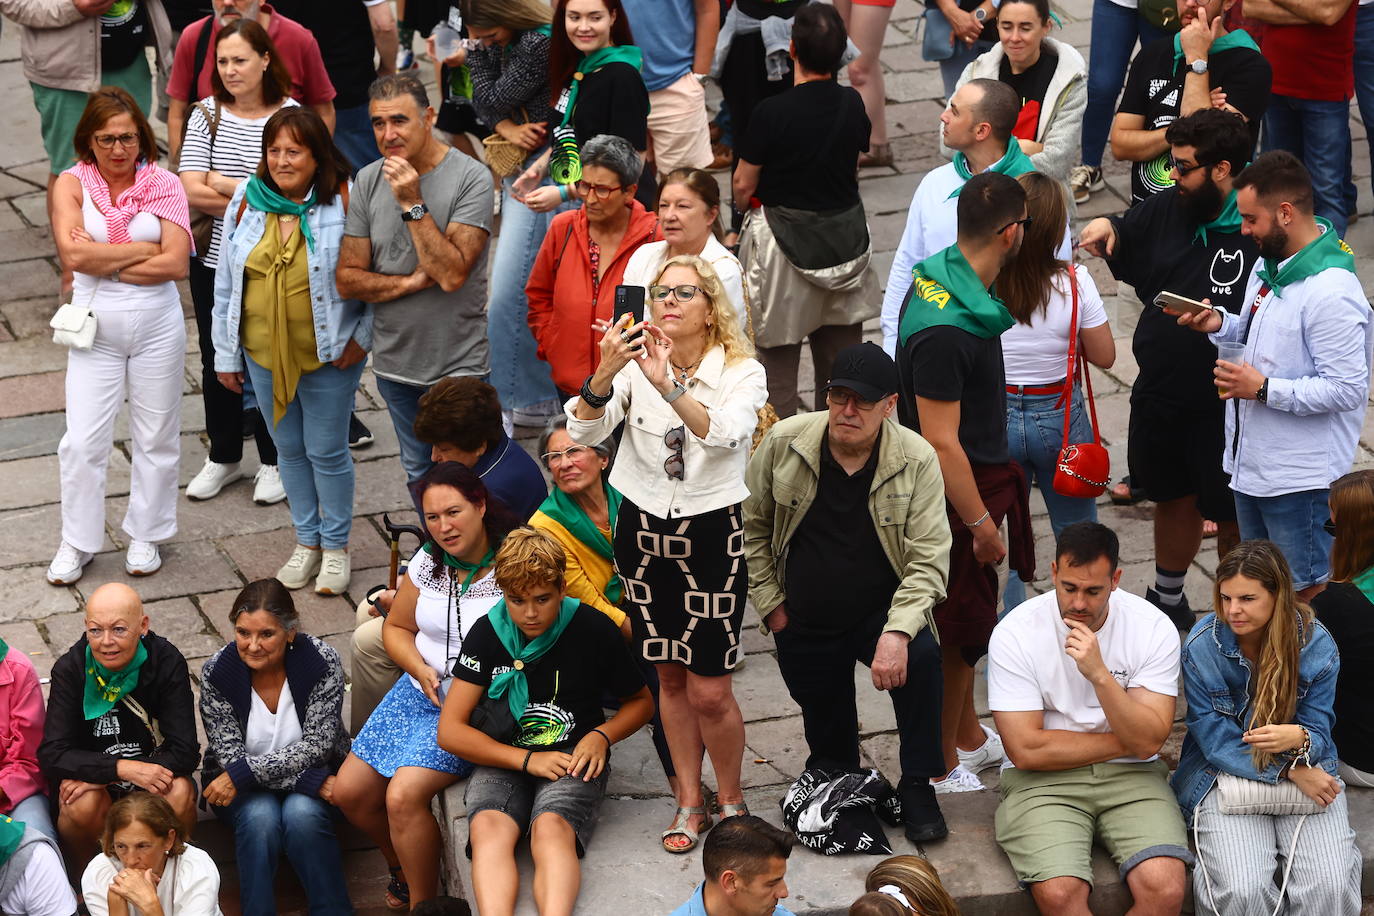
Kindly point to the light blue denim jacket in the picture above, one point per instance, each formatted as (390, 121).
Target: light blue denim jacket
(336, 319)
(1216, 684)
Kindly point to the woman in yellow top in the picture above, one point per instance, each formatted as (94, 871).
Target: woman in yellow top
(579, 514)
(279, 317)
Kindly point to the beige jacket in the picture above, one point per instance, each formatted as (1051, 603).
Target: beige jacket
(61, 47)
(907, 505)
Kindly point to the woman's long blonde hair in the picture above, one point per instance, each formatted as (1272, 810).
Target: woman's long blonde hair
(918, 881)
(1275, 698)
(724, 329)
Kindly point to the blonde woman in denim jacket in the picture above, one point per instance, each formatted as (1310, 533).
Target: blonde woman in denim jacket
(278, 317)
(1260, 679)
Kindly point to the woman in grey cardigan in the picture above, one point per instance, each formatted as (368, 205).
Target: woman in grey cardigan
(272, 703)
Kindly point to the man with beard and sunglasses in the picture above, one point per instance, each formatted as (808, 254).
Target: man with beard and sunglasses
(1185, 240)
(1302, 385)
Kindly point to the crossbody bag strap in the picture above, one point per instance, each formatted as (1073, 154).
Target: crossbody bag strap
(137, 709)
(1075, 369)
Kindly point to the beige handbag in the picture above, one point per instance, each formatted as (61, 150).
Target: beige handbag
(504, 157)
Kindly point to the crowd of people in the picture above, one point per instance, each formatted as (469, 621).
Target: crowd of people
(546, 248)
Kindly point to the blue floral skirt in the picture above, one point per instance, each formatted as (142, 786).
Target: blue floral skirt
(403, 732)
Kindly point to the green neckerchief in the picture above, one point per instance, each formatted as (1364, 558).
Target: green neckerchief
(1228, 220)
(5, 647)
(563, 509)
(261, 197)
(11, 832)
(104, 687)
(512, 682)
(1325, 251)
(1365, 583)
(1014, 162)
(546, 30)
(452, 562)
(946, 291)
(1237, 39)
(614, 54)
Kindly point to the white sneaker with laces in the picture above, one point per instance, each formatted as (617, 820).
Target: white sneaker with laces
(335, 571)
(958, 780)
(212, 478)
(142, 558)
(1083, 180)
(267, 488)
(990, 754)
(303, 564)
(67, 565)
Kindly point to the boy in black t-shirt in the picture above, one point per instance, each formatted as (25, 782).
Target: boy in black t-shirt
(549, 660)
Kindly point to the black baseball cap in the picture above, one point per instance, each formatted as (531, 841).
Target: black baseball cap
(866, 370)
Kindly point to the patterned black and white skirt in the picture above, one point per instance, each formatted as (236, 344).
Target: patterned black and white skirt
(685, 584)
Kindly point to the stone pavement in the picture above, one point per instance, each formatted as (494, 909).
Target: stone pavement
(229, 541)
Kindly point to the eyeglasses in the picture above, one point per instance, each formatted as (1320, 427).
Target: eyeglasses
(1023, 221)
(1329, 526)
(107, 141)
(602, 191)
(572, 452)
(95, 634)
(839, 397)
(684, 293)
(674, 466)
(1185, 170)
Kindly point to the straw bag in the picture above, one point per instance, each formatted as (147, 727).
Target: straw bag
(1081, 470)
(504, 157)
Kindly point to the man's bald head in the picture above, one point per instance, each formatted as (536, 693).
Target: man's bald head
(114, 623)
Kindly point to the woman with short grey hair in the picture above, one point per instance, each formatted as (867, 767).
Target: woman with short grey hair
(272, 704)
(583, 258)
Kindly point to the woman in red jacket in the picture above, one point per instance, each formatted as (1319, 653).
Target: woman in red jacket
(583, 259)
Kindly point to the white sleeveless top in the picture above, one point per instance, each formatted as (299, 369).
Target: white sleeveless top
(110, 296)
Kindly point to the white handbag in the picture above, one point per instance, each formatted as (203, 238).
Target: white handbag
(1237, 795)
(74, 325)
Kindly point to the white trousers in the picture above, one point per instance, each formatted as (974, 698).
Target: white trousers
(141, 353)
(1242, 856)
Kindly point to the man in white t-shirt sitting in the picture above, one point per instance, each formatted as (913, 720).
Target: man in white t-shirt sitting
(1082, 683)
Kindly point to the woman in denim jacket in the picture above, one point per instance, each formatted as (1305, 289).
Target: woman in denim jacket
(278, 315)
(1260, 678)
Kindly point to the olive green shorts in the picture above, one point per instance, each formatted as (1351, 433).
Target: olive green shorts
(1046, 822)
(59, 110)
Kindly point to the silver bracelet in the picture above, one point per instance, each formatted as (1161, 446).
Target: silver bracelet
(982, 518)
(678, 391)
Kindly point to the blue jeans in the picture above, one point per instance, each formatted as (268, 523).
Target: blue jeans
(1318, 133)
(312, 450)
(354, 138)
(1364, 88)
(1035, 434)
(34, 812)
(1115, 30)
(953, 67)
(264, 823)
(1294, 522)
(403, 403)
(520, 377)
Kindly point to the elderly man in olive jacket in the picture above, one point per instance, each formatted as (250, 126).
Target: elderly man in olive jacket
(848, 549)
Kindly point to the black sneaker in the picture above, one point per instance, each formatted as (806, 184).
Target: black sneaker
(928, 832)
(359, 436)
(921, 811)
(1181, 614)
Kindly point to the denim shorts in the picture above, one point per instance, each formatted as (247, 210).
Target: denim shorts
(1294, 522)
(523, 797)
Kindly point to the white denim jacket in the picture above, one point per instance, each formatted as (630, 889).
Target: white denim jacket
(713, 476)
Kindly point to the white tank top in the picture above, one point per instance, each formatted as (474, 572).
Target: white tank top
(110, 296)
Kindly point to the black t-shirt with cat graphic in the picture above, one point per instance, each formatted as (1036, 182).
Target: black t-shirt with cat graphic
(1156, 251)
(567, 684)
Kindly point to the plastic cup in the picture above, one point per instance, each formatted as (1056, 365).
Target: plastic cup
(447, 40)
(1231, 353)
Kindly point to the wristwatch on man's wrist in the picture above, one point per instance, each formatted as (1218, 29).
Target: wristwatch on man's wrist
(414, 214)
(1198, 66)
(1262, 395)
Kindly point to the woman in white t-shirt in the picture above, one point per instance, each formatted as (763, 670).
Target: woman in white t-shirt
(1038, 289)
(146, 868)
(223, 146)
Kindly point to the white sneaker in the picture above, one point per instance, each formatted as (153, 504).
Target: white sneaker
(303, 564)
(335, 571)
(211, 479)
(1083, 180)
(958, 780)
(68, 565)
(990, 754)
(267, 488)
(405, 60)
(142, 558)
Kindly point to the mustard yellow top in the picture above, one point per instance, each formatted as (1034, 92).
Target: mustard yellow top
(588, 572)
(278, 324)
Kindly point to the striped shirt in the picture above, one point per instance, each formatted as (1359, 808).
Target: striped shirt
(237, 149)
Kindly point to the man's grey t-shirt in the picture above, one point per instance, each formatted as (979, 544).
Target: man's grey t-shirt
(425, 336)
